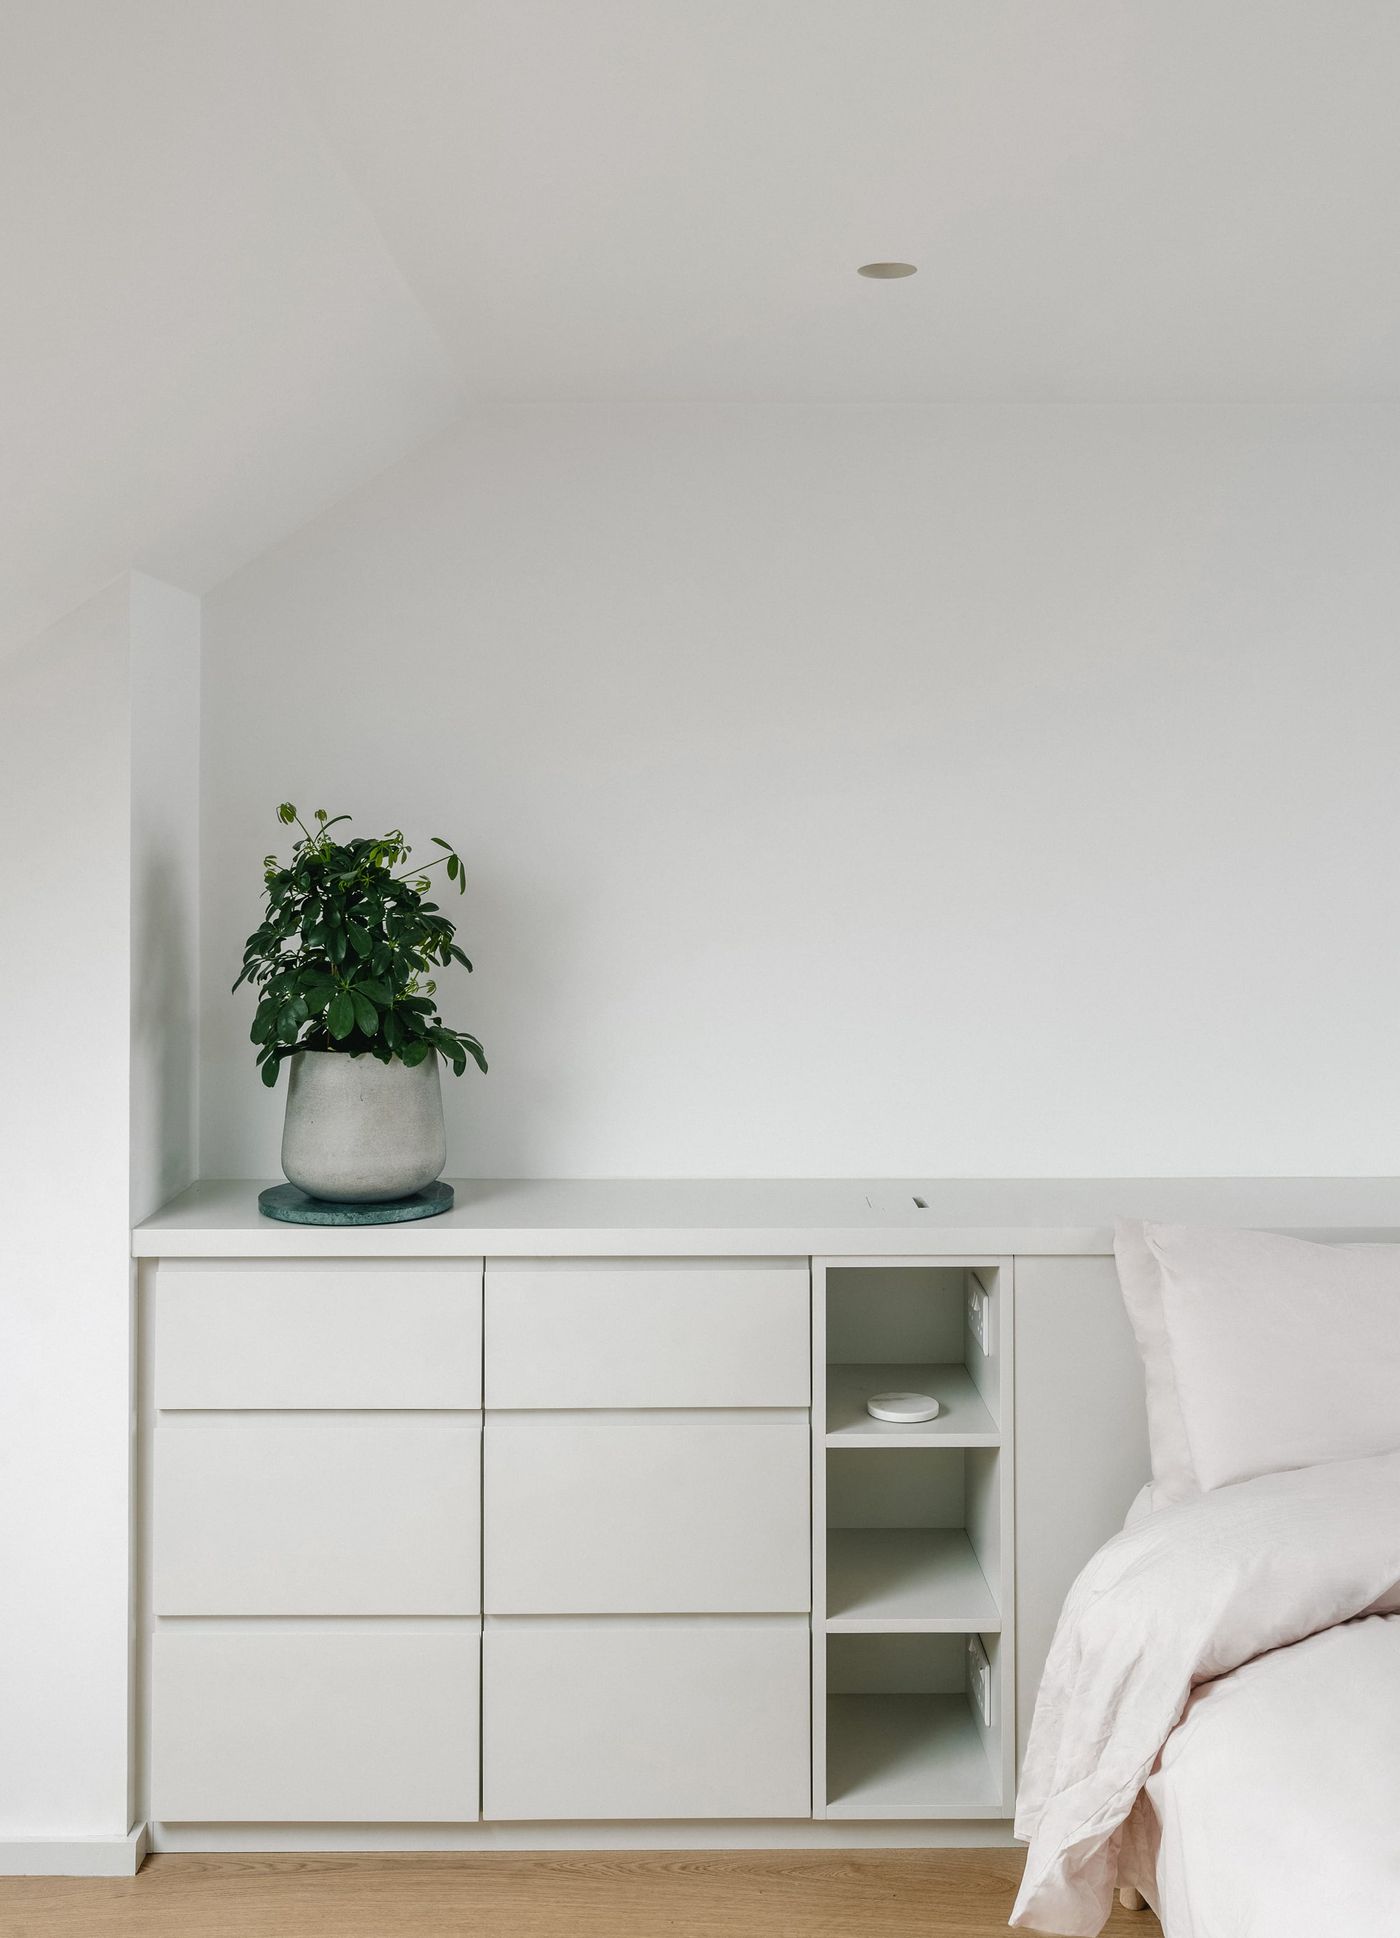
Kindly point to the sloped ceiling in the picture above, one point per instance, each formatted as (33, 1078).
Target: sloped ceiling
(255, 250)
(203, 337)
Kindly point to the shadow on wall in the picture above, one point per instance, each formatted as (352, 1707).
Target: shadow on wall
(164, 1029)
(519, 944)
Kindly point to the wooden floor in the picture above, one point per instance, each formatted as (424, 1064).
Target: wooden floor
(768, 1894)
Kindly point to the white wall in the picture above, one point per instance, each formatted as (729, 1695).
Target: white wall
(65, 1310)
(98, 720)
(855, 792)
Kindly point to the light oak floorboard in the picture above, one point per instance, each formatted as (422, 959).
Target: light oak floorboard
(594, 1894)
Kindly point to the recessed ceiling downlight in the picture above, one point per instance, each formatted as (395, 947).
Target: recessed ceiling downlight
(887, 272)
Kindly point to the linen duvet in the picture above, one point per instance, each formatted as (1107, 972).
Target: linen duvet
(1220, 1716)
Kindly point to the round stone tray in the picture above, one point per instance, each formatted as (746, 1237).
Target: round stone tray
(293, 1207)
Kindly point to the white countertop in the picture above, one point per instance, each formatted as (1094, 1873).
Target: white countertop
(755, 1217)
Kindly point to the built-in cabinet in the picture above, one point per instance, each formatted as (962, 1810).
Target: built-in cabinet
(579, 1540)
(560, 1520)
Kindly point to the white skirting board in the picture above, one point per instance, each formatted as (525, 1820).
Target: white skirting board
(75, 1856)
(671, 1835)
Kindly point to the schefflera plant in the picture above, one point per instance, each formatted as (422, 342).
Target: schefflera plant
(344, 955)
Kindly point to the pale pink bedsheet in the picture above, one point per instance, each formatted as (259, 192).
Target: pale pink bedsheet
(1281, 1786)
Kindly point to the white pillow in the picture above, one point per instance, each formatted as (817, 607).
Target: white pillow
(1260, 1352)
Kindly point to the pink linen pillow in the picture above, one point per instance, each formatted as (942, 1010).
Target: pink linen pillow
(1260, 1352)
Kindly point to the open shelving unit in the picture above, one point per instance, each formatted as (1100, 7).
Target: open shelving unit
(912, 1568)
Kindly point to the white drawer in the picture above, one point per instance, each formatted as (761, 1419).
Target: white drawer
(604, 1516)
(301, 1333)
(643, 1332)
(325, 1724)
(254, 1519)
(590, 1719)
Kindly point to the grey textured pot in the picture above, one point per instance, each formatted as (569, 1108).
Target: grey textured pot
(358, 1131)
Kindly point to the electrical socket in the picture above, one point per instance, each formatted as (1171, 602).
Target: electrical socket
(979, 1679)
(979, 1314)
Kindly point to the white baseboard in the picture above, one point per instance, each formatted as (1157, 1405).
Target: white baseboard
(675, 1834)
(74, 1856)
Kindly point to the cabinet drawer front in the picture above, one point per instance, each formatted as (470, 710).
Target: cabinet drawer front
(647, 1719)
(307, 1334)
(317, 1520)
(641, 1332)
(595, 1517)
(315, 1725)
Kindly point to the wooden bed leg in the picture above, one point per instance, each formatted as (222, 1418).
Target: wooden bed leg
(1130, 1899)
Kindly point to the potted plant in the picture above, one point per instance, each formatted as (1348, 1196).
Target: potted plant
(343, 963)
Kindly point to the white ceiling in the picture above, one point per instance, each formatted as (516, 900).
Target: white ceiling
(668, 198)
(254, 250)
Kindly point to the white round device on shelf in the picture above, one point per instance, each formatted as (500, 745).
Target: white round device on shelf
(904, 1409)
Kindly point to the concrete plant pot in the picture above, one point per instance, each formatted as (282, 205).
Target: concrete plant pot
(358, 1131)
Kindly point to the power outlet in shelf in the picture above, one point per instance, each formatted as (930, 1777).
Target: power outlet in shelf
(979, 1679)
(979, 1314)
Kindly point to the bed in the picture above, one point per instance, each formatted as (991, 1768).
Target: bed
(1218, 1726)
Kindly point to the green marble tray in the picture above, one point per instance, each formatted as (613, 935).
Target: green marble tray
(293, 1207)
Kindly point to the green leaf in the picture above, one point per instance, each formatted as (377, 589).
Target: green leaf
(366, 1015)
(340, 1017)
(441, 843)
(286, 814)
(473, 1050)
(361, 940)
(269, 1071)
(451, 1049)
(453, 950)
(413, 1053)
(376, 991)
(452, 866)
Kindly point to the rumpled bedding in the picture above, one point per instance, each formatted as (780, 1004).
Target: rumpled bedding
(1282, 1783)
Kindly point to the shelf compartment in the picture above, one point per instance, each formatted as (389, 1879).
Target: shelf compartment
(906, 1580)
(903, 1737)
(964, 1418)
(907, 1756)
(914, 1525)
